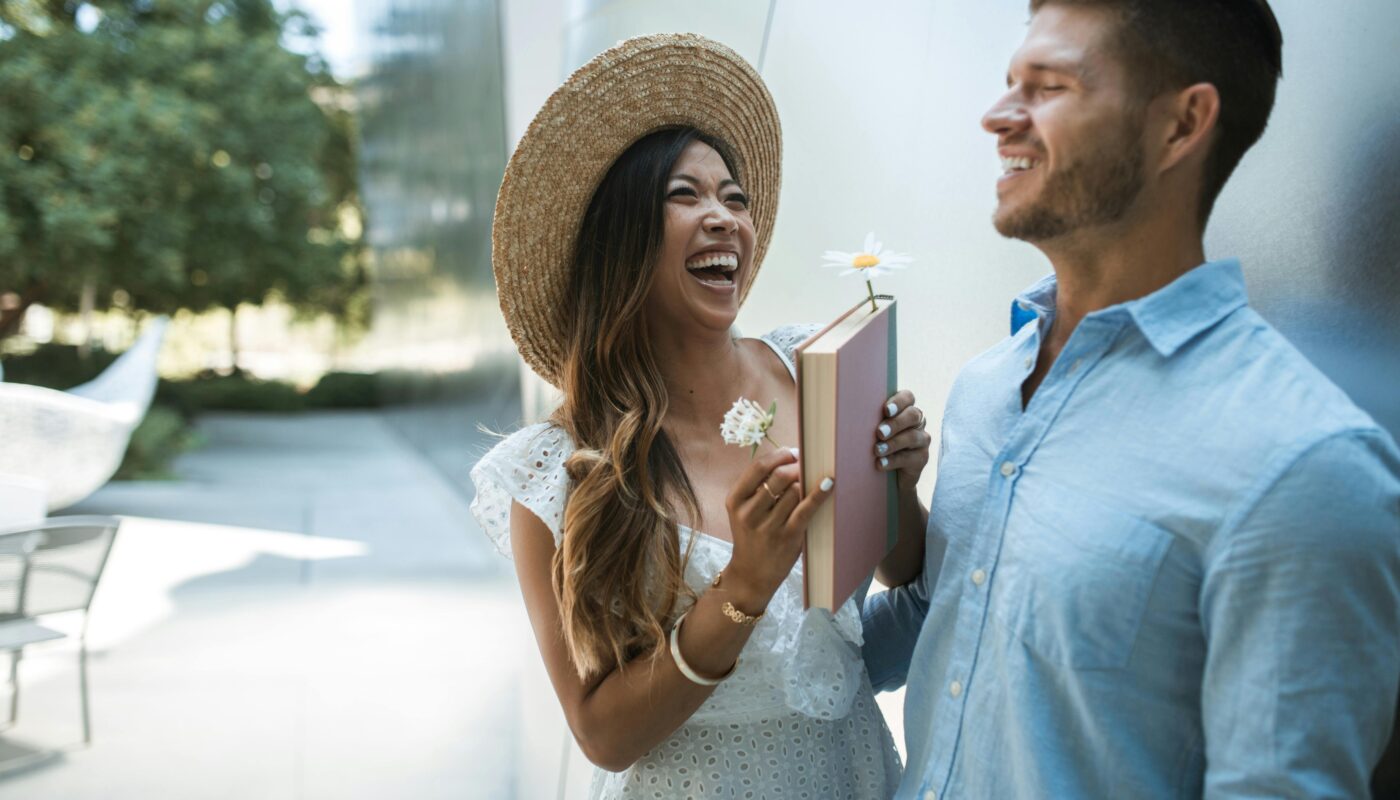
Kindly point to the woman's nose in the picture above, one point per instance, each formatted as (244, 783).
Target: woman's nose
(720, 219)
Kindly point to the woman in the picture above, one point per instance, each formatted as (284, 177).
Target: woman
(624, 242)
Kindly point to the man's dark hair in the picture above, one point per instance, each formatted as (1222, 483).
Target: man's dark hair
(1235, 45)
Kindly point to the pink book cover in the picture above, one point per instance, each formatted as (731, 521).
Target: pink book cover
(865, 498)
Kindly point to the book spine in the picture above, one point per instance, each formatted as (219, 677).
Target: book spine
(892, 483)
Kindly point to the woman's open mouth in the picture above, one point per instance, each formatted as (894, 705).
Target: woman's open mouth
(715, 269)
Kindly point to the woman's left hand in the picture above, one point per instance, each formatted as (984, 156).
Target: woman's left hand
(901, 443)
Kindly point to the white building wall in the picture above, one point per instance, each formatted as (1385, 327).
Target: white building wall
(880, 104)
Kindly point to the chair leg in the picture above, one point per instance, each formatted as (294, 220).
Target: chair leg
(83, 683)
(14, 686)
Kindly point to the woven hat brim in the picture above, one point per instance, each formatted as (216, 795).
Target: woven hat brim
(639, 86)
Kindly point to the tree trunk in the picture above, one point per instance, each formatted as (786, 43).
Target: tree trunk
(233, 339)
(12, 318)
(85, 304)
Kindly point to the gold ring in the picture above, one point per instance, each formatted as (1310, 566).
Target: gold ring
(923, 421)
(769, 490)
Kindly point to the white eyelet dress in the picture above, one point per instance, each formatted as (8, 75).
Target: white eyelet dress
(797, 719)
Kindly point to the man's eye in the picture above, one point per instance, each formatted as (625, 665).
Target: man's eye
(1051, 88)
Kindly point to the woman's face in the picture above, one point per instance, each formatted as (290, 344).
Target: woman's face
(707, 247)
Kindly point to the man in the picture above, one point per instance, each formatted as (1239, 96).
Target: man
(1164, 550)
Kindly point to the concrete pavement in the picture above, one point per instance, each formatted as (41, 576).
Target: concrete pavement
(309, 611)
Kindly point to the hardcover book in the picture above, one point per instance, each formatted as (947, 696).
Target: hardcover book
(845, 374)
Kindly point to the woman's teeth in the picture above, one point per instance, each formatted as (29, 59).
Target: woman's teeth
(728, 261)
(715, 269)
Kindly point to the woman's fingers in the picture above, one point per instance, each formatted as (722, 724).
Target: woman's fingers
(751, 479)
(910, 460)
(787, 501)
(899, 401)
(773, 491)
(908, 439)
(802, 514)
(900, 414)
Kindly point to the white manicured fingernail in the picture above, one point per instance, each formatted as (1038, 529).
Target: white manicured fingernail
(884, 463)
(827, 483)
(795, 452)
(882, 448)
(891, 410)
(884, 431)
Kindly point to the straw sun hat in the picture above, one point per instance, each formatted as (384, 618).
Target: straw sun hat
(637, 87)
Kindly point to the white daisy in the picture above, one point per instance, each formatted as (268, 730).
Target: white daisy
(871, 261)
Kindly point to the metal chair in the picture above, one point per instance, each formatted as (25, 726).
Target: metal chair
(50, 567)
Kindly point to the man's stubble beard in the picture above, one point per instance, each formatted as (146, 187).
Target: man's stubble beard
(1086, 193)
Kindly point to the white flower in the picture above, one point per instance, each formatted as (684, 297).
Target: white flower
(871, 261)
(747, 423)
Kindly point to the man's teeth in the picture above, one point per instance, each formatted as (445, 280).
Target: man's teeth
(1017, 164)
(725, 261)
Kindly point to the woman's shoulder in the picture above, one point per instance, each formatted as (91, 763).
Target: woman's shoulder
(786, 338)
(544, 442)
(526, 467)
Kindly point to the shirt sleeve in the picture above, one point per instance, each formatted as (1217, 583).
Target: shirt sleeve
(1300, 606)
(890, 624)
(892, 620)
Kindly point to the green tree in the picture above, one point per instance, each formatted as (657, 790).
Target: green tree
(174, 150)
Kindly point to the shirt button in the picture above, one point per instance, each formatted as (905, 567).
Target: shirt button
(979, 577)
(1008, 469)
(1029, 361)
(930, 795)
(955, 688)
(1075, 365)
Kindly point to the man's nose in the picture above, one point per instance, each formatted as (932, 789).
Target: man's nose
(1006, 116)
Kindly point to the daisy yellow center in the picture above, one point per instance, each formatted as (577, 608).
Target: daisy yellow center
(864, 260)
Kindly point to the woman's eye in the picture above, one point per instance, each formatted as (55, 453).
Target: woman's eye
(742, 200)
(682, 191)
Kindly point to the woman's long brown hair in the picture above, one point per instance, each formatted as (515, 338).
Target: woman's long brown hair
(619, 574)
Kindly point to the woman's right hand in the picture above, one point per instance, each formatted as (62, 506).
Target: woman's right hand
(768, 519)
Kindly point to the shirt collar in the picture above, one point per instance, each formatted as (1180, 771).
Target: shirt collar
(1169, 317)
(1037, 301)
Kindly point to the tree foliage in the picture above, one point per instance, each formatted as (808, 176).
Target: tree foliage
(174, 154)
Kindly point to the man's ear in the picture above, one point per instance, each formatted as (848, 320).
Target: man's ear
(1191, 115)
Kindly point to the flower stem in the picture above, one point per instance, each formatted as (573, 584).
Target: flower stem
(871, 289)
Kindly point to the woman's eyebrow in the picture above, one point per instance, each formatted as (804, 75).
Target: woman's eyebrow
(684, 177)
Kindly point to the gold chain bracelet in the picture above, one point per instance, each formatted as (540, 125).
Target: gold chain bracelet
(732, 612)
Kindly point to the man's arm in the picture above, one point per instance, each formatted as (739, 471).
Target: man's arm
(892, 620)
(1300, 607)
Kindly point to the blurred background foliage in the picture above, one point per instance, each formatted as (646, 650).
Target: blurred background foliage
(164, 156)
(158, 155)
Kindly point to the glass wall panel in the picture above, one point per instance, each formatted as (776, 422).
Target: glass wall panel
(432, 155)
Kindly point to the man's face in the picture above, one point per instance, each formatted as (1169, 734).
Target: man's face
(1068, 129)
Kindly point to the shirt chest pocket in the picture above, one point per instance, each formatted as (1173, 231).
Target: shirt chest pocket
(1074, 578)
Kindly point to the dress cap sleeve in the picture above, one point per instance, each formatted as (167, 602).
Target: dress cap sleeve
(526, 467)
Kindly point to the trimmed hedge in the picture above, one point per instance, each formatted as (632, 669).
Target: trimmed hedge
(161, 436)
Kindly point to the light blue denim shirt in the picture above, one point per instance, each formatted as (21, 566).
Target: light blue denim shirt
(1175, 574)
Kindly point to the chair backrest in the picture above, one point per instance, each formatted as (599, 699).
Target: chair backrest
(15, 550)
(66, 563)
